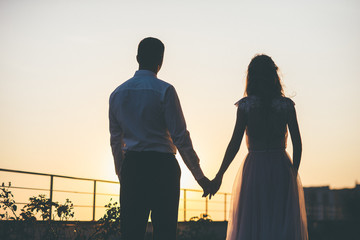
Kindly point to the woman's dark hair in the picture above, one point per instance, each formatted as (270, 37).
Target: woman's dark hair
(262, 78)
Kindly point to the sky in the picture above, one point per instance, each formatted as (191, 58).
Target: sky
(60, 60)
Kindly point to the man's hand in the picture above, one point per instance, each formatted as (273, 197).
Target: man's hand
(205, 185)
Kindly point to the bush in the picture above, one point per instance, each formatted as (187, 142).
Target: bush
(199, 229)
(7, 202)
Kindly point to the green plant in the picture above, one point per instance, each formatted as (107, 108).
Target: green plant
(109, 224)
(65, 211)
(7, 202)
(199, 228)
(40, 204)
(204, 218)
(27, 215)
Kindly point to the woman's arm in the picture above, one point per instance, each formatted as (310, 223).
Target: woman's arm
(232, 148)
(295, 138)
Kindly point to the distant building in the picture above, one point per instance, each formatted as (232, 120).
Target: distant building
(323, 203)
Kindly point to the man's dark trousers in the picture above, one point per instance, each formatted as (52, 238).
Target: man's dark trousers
(150, 181)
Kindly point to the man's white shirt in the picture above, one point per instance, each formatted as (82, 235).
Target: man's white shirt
(145, 115)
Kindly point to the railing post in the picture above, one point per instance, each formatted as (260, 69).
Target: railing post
(206, 205)
(51, 194)
(94, 200)
(184, 205)
(225, 206)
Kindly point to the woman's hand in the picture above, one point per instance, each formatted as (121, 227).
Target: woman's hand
(215, 184)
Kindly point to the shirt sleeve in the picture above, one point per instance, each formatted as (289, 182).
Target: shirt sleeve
(176, 125)
(116, 140)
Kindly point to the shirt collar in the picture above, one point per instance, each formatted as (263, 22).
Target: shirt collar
(145, 73)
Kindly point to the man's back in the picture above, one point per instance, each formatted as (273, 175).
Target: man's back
(138, 107)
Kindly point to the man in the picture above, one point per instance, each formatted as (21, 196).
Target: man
(146, 126)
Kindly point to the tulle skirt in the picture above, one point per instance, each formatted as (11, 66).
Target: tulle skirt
(267, 200)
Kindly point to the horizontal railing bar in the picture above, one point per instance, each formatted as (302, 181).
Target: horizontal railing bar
(199, 210)
(26, 188)
(195, 209)
(21, 203)
(89, 206)
(55, 175)
(65, 191)
(216, 210)
(195, 200)
(201, 191)
(78, 178)
(107, 194)
(103, 194)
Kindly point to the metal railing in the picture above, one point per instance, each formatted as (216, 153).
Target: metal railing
(94, 193)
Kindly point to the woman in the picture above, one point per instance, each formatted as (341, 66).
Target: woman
(267, 199)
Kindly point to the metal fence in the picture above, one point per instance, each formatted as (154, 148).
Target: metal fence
(222, 199)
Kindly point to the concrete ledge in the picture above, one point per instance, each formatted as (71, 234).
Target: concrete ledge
(64, 230)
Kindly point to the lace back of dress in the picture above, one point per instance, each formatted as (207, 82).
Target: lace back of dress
(266, 121)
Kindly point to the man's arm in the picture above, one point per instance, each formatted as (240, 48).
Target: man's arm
(116, 142)
(176, 125)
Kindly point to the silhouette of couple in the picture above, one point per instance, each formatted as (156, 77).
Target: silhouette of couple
(147, 126)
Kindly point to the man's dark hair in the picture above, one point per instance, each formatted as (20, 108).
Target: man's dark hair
(150, 52)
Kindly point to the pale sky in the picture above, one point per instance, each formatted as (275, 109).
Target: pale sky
(60, 60)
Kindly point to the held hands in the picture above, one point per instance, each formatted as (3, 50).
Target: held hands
(215, 184)
(205, 185)
(210, 187)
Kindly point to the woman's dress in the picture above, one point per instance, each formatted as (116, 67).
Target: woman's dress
(267, 200)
